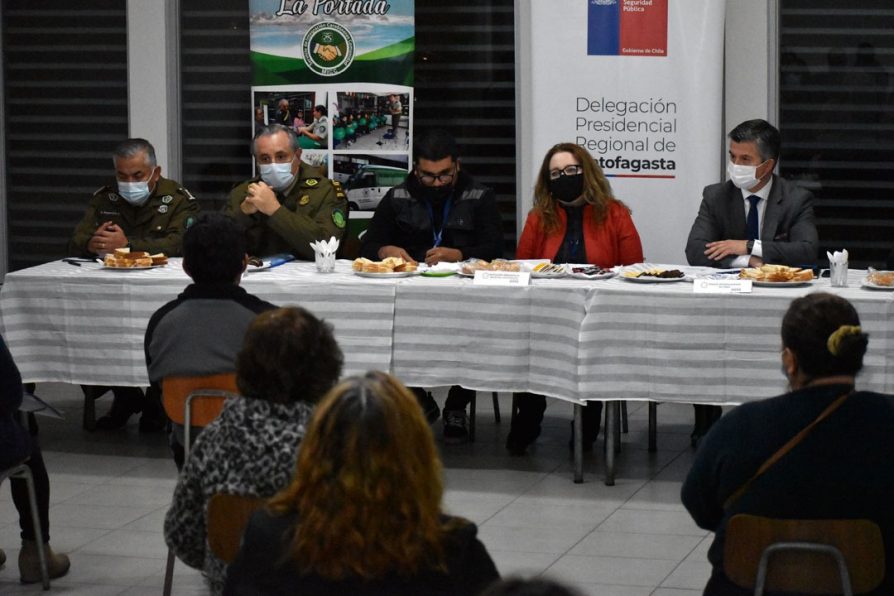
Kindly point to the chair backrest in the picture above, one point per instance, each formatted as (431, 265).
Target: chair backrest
(799, 570)
(227, 517)
(176, 390)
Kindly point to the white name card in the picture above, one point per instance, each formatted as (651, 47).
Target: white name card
(502, 278)
(721, 286)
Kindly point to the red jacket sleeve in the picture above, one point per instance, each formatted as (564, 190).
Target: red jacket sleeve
(530, 241)
(630, 248)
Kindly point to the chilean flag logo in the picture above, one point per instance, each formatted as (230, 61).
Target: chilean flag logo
(627, 28)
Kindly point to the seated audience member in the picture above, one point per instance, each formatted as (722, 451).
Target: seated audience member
(290, 204)
(201, 332)
(439, 213)
(142, 211)
(515, 586)
(755, 217)
(18, 444)
(841, 469)
(363, 512)
(575, 219)
(288, 362)
(318, 131)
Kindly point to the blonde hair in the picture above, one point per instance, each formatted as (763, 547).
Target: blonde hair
(367, 488)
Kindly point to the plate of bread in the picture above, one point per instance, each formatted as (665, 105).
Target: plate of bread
(879, 280)
(388, 267)
(469, 267)
(777, 276)
(127, 260)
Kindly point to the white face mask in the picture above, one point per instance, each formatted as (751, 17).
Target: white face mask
(743, 177)
(277, 175)
(135, 193)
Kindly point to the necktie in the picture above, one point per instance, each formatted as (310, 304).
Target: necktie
(751, 223)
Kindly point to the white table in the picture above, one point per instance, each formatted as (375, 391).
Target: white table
(569, 339)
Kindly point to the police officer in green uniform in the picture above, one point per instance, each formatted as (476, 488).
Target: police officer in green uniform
(141, 209)
(290, 205)
(145, 212)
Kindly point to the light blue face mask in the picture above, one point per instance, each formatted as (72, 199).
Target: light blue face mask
(135, 193)
(277, 175)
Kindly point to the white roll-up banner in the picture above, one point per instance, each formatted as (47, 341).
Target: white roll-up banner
(639, 84)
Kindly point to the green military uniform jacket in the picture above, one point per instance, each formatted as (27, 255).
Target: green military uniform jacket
(313, 208)
(155, 226)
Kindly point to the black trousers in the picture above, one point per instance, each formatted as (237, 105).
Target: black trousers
(19, 490)
(529, 414)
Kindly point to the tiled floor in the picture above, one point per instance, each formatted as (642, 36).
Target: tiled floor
(110, 492)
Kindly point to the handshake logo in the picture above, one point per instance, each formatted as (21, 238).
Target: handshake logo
(328, 49)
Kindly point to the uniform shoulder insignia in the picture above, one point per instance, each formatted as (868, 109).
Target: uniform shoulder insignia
(311, 182)
(336, 184)
(304, 200)
(188, 194)
(167, 199)
(162, 208)
(101, 189)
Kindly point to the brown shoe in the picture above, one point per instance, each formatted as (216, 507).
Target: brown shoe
(29, 563)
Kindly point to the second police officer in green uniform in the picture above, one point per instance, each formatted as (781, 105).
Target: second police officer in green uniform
(141, 209)
(291, 204)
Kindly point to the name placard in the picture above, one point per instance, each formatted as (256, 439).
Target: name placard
(721, 286)
(502, 278)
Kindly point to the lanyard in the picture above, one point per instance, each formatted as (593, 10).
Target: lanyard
(436, 235)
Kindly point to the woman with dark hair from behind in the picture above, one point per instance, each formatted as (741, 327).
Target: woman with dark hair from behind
(288, 361)
(363, 512)
(842, 469)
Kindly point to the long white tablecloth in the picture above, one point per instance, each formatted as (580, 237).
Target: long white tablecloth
(570, 339)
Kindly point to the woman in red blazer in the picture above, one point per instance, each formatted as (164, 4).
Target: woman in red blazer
(575, 219)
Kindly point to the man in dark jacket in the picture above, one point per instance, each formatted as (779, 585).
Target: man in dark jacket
(438, 214)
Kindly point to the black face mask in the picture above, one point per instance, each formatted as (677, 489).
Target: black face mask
(436, 194)
(567, 188)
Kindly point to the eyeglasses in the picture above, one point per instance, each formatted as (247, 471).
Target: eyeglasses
(566, 171)
(429, 179)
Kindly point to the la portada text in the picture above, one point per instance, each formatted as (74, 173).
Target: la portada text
(330, 7)
(635, 165)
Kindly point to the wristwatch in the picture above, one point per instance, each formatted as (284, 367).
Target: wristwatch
(749, 246)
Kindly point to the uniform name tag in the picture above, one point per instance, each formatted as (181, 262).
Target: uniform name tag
(721, 286)
(502, 278)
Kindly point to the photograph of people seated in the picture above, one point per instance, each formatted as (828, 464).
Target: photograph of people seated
(576, 219)
(371, 121)
(822, 451)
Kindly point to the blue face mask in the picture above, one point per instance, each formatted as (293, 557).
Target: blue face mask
(277, 175)
(135, 193)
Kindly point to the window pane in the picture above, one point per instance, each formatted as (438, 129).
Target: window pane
(837, 118)
(65, 67)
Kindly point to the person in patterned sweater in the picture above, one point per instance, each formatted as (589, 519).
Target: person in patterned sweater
(289, 360)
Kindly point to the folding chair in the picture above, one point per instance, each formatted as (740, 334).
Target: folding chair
(24, 472)
(193, 401)
(227, 517)
(825, 556)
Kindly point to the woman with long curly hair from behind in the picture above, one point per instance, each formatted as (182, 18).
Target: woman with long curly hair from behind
(363, 513)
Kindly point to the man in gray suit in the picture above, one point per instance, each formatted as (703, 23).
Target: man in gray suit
(756, 217)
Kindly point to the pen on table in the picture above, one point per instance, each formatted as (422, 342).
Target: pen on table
(71, 262)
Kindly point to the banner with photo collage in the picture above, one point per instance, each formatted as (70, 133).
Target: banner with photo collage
(639, 84)
(340, 72)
